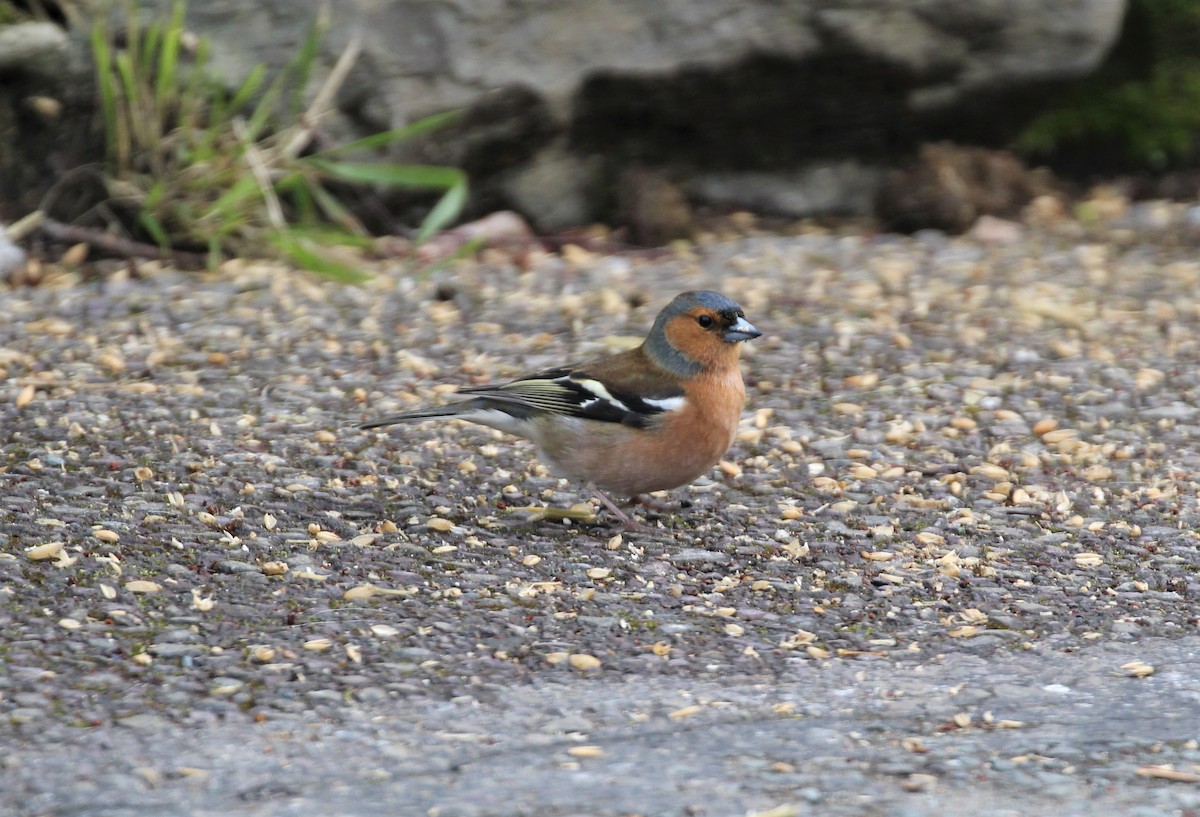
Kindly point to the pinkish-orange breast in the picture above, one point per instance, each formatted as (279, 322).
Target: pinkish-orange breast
(678, 449)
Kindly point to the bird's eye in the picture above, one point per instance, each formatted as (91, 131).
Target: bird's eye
(705, 321)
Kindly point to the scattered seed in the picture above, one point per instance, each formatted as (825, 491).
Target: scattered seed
(1168, 773)
(1044, 426)
(42, 552)
(785, 810)
(1059, 435)
(25, 396)
(201, 602)
(360, 592)
(584, 662)
(142, 586)
(585, 751)
(917, 782)
(1137, 669)
(304, 573)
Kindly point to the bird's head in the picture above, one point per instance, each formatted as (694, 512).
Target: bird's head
(698, 331)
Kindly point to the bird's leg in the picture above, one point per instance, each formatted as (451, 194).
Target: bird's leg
(629, 524)
(648, 503)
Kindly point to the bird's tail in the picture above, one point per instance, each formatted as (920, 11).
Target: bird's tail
(418, 414)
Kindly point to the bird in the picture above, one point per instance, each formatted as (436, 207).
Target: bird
(652, 418)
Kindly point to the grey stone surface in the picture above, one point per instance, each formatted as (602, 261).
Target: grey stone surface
(1035, 734)
(533, 73)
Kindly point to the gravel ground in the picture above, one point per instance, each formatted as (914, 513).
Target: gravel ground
(950, 566)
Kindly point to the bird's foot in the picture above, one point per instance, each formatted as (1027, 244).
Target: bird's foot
(628, 523)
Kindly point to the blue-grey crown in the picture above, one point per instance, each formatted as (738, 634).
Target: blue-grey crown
(661, 351)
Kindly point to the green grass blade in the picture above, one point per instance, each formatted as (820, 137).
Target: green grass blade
(131, 97)
(424, 177)
(234, 200)
(444, 212)
(166, 88)
(248, 88)
(192, 100)
(300, 68)
(319, 263)
(265, 109)
(333, 237)
(133, 32)
(294, 188)
(391, 137)
(155, 229)
(102, 56)
(148, 50)
(334, 210)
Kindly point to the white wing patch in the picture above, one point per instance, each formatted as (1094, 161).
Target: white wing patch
(666, 403)
(597, 388)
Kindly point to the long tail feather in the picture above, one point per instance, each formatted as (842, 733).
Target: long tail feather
(418, 414)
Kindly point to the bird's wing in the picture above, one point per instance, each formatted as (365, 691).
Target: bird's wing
(575, 392)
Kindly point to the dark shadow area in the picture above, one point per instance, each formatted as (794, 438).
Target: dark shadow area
(765, 112)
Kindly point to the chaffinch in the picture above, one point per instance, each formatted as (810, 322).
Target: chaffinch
(649, 419)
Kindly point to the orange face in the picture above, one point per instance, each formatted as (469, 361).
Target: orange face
(707, 337)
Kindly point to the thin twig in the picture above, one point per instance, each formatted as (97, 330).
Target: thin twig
(323, 102)
(115, 245)
(24, 226)
(262, 175)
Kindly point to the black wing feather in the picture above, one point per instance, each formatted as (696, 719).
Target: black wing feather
(573, 393)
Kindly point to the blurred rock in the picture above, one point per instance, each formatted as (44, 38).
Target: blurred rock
(560, 95)
(992, 230)
(653, 207)
(12, 257)
(834, 188)
(32, 48)
(950, 187)
(503, 228)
